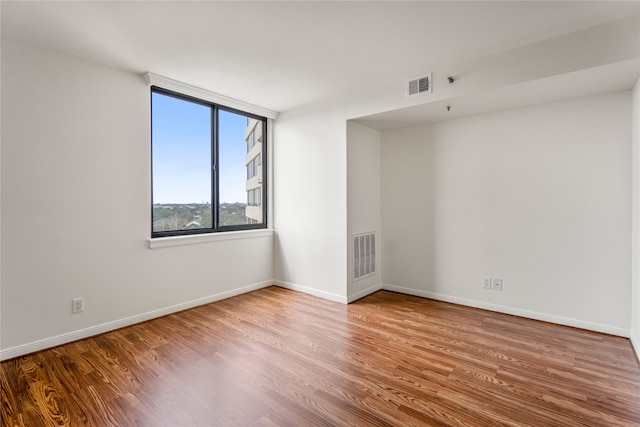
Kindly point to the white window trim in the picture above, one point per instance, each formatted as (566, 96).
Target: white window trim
(196, 92)
(196, 239)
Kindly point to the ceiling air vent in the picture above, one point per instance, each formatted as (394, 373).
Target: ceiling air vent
(418, 85)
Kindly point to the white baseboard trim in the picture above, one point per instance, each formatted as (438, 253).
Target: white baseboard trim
(65, 338)
(635, 343)
(565, 321)
(363, 293)
(311, 291)
(21, 350)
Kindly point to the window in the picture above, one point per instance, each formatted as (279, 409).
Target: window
(251, 139)
(200, 151)
(254, 197)
(253, 167)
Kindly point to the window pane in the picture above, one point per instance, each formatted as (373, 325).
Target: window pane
(240, 171)
(181, 153)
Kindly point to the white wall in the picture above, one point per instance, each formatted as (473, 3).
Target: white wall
(310, 202)
(537, 196)
(363, 201)
(635, 223)
(76, 193)
(408, 208)
(76, 208)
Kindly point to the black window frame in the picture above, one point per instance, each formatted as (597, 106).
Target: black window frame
(215, 180)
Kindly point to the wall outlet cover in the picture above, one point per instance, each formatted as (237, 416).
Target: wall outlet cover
(77, 305)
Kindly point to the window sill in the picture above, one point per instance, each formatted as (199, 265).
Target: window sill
(196, 239)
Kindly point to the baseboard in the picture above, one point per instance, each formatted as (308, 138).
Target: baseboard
(43, 344)
(32, 347)
(363, 293)
(596, 327)
(635, 343)
(311, 291)
(326, 295)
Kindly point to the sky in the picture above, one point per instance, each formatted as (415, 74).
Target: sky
(181, 134)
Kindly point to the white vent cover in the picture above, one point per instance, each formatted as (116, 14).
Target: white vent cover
(364, 255)
(418, 85)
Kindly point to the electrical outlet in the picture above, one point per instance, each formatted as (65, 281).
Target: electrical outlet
(496, 284)
(486, 282)
(77, 305)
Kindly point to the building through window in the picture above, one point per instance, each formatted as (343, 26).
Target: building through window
(254, 137)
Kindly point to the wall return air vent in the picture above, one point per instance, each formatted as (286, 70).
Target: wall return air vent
(364, 255)
(418, 85)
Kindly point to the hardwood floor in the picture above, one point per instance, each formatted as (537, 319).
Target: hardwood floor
(276, 357)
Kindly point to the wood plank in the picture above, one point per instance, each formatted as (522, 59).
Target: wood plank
(276, 357)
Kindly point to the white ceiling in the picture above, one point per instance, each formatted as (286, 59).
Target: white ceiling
(594, 81)
(285, 55)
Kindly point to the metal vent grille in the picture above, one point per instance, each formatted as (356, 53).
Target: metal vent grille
(418, 85)
(364, 255)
